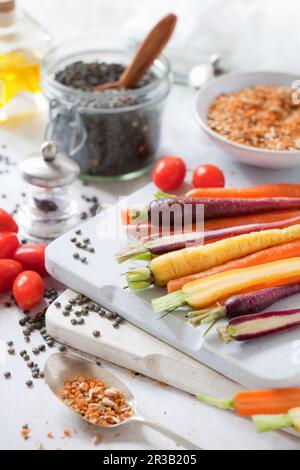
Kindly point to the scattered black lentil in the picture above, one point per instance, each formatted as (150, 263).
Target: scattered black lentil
(29, 383)
(96, 333)
(7, 375)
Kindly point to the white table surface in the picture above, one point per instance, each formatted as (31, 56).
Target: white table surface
(209, 428)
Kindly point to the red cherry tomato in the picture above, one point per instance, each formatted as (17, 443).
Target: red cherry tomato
(208, 176)
(7, 223)
(28, 289)
(8, 244)
(32, 258)
(9, 270)
(168, 173)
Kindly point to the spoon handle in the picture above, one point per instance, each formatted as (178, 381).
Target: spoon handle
(166, 431)
(148, 51)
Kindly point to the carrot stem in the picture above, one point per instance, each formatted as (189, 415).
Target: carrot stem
(265, 423)
(221, 403)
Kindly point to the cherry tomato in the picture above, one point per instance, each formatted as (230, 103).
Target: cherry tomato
(208, 176)
(32, 258)
(7, 223)
(168, 173)
(8, 244)
(28, 289)
(9, 270)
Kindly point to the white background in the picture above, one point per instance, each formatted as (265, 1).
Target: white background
(207, 427)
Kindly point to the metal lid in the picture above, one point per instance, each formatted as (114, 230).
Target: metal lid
(49, 168)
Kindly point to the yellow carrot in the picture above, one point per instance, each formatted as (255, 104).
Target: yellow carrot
(196, 259)
(207, 291)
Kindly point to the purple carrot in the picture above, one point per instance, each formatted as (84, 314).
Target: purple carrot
(243, 304)
(173, 242)
(258, 325)
(214, 208)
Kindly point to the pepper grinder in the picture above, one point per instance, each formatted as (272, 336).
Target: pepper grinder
(49, 210)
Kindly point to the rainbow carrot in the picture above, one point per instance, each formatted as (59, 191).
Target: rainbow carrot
(261, 190)
(250, 403)
(284, 251)
(261, 218)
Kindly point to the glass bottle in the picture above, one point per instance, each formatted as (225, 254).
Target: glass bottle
(23, 43)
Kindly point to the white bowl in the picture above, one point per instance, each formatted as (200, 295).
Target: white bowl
(250, 155)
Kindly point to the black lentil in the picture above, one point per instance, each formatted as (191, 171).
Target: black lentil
(96, 333)
(117, 143)
(7, 375)
(29, 383)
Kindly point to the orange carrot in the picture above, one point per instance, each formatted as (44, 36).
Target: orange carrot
(261, 190)
(284, 251)
(250, 403)
(261, 218)
(145, 230)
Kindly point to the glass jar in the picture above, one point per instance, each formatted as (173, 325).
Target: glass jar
(113, 134)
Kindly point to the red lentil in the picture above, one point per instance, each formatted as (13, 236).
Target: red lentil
(263, 116)
(96, 402)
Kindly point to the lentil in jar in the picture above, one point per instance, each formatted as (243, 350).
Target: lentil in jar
(112, 134)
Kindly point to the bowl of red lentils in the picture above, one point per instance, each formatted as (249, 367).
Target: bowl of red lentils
(254, 116)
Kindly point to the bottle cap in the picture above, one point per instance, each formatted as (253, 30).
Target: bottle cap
(49, 168)
(7, 6)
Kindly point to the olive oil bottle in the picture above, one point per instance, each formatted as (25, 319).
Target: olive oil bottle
(23, 43)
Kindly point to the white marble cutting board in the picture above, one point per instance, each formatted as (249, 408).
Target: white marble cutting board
(269, 362)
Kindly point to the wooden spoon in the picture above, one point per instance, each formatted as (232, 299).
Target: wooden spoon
(145, 55)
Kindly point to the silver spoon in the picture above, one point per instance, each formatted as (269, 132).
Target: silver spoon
(62, 366)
